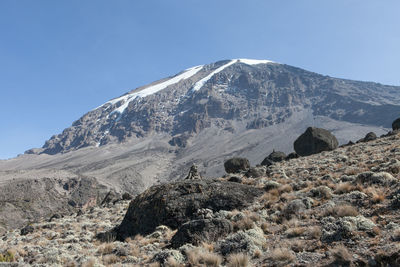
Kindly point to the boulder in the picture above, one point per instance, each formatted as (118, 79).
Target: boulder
(292, 155)
(27, 230)
(275, 156)
(236, 165)
(396, 124)
(315, 140)
(255, 172)
(196, 231)
(368, 137)
(175, 203)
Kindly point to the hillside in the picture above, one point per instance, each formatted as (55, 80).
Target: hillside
(337, 208)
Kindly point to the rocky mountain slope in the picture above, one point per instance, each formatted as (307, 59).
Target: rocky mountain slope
(202, 115)
(336, 208)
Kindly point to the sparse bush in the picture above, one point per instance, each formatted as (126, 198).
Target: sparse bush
(106, 248)
(7, 257)
(313, 232)
(344, 188)
(295, 232)
(238, 260)
(281, 255)
(200, 257)
(341, 211)
(243, 224)
(110, 259)
(341, 256)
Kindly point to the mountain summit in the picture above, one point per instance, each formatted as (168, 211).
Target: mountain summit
(231, 95)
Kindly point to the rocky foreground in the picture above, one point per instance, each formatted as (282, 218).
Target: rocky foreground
(337, 208)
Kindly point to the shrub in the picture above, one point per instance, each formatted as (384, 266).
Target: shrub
(7, 257)
(238, 260)
(281, 255)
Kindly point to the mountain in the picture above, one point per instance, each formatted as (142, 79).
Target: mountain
(204, 115)
(232, 96)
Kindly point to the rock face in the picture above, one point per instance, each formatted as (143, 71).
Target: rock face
(235, 165)
(27, 199)
(176, 203)
(315, 140)
(396, 124)
(275, 156)
(196, 231)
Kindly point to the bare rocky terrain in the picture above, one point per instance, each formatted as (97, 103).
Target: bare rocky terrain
(334, 208)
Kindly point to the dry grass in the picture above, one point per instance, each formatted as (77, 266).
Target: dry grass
(295, 232)
(344, 188)
(243, 224)
(89, 263)
(313, 232)
(110, 259)
(200, 257)
(341, 211)
(238, 260)
(106, 248)
(281, 255)
(377, 195)
(341, 256)
(171, 262)
(287, 188)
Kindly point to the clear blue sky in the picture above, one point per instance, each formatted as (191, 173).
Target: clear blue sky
(60, 59)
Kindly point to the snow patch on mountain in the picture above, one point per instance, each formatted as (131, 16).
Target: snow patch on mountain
(126, 99)
(254, 61)
(203, 81)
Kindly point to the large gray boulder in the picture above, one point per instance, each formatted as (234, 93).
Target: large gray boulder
(235, 165)
(315, 140)
(396, 124)
(176, 203)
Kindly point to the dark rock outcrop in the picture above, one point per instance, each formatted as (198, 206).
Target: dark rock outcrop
(235, 165)
(396, 124)
(176, 203)
(315, 140)
(27, 230)
(275, 156)
(193, 173)
(196, 231)
(368, 137)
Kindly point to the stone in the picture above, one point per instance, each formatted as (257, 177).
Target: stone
(255, 172)
(196, 231)
(236, 165)
(193, 173)
(315, 140)
(27, 230)
(275, 156)
(243, 241)
(126, 196)
(176, 203)
(235, 179)
(368, 137)
(396, 124)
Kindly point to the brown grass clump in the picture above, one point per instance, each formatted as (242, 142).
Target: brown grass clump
(198, 257)
(344, 188)
(171, 262)
(243, 224)
(341, 256)
(110, 259)
(377, 195)
(106, 248)
(281, 255)
(341, 211)
(313, 232)
(238, 260)
(89, 263)
(287, 188)
(295, 232)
